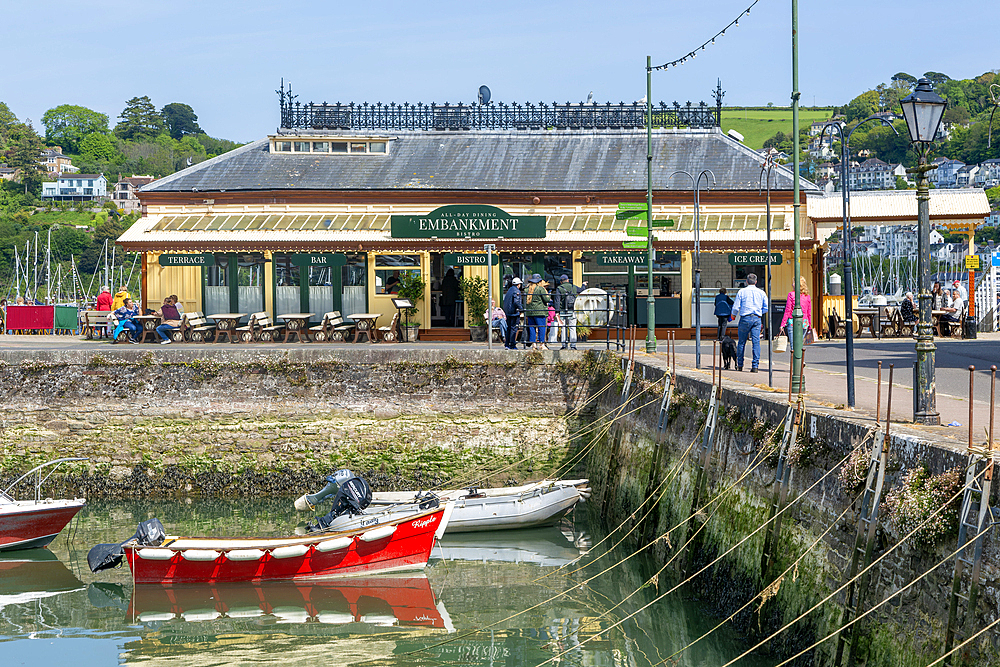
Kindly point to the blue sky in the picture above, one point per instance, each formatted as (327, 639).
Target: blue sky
(225, 58)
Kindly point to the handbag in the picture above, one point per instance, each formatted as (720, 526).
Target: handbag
(780, 343)
(808, 338)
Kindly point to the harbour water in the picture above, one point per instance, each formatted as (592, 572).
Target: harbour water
(504, 598)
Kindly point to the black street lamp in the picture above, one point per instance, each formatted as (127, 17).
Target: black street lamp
(923, 110)
(848, 240)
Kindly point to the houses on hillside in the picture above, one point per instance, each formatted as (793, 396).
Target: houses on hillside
(54, 162)
(874, 174)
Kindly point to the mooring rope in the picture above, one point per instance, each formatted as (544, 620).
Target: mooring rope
(853, 579)
(769, 587)
(707, 566)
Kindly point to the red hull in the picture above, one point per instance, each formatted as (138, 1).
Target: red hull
(29, 525)
(405, 601)
(177, 560)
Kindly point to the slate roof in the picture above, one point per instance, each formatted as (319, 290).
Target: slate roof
(543, 161)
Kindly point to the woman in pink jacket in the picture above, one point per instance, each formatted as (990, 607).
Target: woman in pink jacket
(806, 304)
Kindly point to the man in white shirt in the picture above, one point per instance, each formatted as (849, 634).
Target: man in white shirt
(750, 304)
(956, 310)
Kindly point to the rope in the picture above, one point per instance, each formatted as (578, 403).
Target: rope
(781, 576)
(707, 566)
(877, 606)
(987, 628)
(849, 582)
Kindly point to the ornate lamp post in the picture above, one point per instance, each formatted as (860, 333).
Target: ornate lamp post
(923, 110)
(848, 241)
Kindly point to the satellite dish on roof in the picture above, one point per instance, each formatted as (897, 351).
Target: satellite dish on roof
(484, 95)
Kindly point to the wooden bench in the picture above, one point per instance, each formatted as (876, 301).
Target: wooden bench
(835, 326)
(267, 330)
(390, 334)
(249, 332)
(194, 328)
(94, 323)
(332, 328)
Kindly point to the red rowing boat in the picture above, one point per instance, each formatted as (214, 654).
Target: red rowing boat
(32, 524)
(398, 546)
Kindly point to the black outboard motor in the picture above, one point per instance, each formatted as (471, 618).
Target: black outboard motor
(350, 494)
(150, 533)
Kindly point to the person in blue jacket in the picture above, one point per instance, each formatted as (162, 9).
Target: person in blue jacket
(512, 307)
(723, 309)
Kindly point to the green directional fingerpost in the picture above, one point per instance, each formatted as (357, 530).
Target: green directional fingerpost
(632, 206)
(638, 244)
(637, 231)
(631, 215)
(664, 222)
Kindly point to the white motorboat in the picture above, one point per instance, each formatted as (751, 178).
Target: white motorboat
(537, 504)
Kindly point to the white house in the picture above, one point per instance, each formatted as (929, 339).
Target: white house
(988, 175)
(966, 176)
(124, 194)
(76, 187)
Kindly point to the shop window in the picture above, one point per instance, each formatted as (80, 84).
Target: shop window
(301, 146)
(388, 269)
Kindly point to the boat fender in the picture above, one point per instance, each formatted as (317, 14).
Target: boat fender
(338, 544)
(156, 554)
(200, 554)
(445, 518)
(244, 554)
(290, 552)
(377, 534)
(156, 616)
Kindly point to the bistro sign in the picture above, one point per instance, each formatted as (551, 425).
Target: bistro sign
(753, 258)
(187, 259)
(457, 221)
(469, 259)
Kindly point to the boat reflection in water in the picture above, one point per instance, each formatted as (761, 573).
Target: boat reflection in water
(545, 547)
(33, 574)
(383, 601)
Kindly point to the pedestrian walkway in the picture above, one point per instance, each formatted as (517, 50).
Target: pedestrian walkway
(826, 379)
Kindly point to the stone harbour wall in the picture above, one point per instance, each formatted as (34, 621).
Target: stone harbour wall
(241, 422)
(626, 467)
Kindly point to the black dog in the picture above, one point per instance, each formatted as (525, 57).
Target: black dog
(728, 351)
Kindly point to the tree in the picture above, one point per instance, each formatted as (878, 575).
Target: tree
(7, 118)
(23, 154)
(901, 183)
(139, 120)
(936, 78)
(907, 80)
(180, 120)
(98, 147)
(67, 124)
(862, 106)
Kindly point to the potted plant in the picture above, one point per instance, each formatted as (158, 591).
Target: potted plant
(473, 291)
(411, 286)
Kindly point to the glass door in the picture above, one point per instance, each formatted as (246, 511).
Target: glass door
(354, 287)
(216, 299)
(250, 282)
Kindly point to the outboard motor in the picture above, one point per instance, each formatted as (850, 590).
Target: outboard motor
(350, 494)
(150, 533)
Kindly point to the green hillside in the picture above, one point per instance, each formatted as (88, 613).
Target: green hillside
(758, 124)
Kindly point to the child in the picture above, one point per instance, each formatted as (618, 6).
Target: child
(552, 319)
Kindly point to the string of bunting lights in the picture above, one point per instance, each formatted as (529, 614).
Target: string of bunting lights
(683, 59)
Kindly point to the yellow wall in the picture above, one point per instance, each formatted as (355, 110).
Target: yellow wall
(161, 282)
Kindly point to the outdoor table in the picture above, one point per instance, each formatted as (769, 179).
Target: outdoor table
(297, 324)
(148, 324)
(937, 320)
(226, 323)
(365, 325)
(866, 320)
